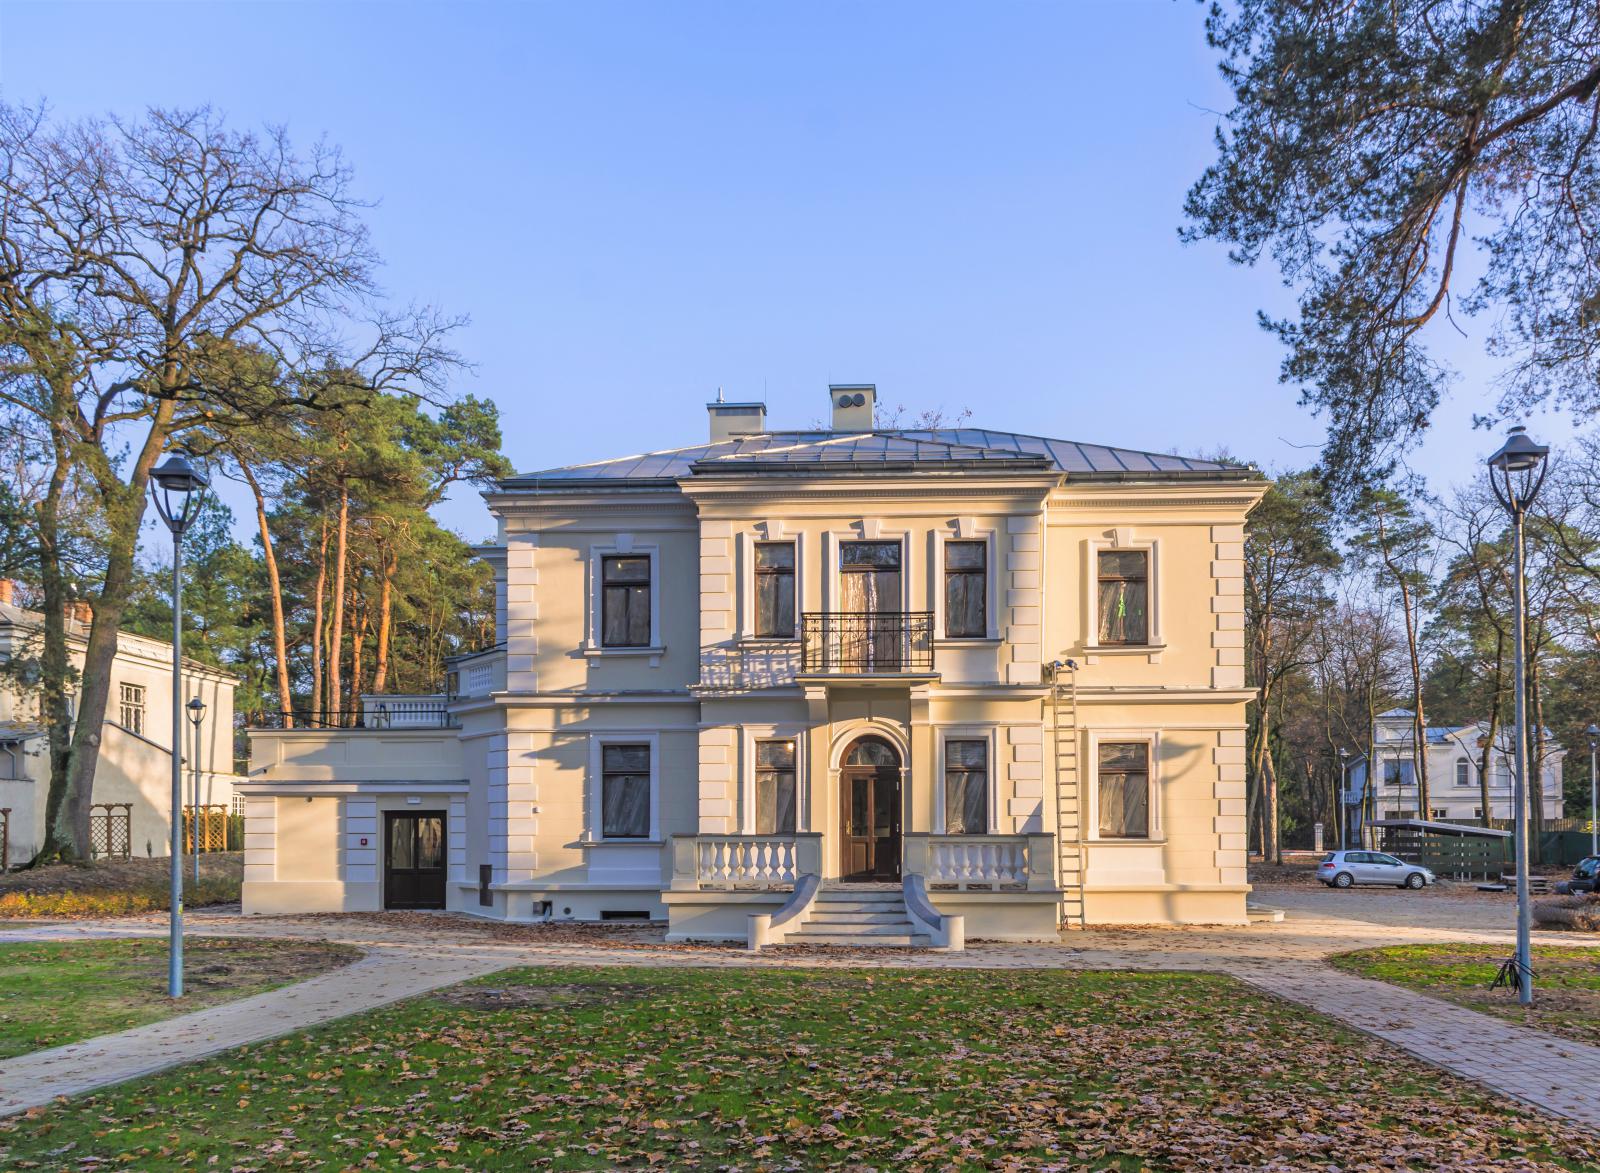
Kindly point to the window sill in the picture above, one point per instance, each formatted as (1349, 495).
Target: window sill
(968, 641)
(595, 651)
(1129, 841)
(622, 842)
(1093, 652)
(769, 641)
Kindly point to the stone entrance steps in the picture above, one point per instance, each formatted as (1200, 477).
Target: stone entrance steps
(846, 915)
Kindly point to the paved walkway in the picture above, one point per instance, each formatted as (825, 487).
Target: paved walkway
(411, 955)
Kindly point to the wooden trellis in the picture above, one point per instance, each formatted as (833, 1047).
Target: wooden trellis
(111, 830)
(213, 825)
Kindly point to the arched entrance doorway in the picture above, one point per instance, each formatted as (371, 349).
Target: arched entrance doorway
(869, 805)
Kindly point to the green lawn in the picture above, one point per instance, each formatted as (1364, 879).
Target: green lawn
(783, 1069)
(55, 993)
(1566, 981)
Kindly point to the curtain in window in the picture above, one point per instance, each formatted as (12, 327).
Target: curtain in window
(625, 602)
(1124, 597)
(966, 787)
(965, 587)
(775, 590)
(775, 788)
(1124, 776)
(625, 791)
(870, 574)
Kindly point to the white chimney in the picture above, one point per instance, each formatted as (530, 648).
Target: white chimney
(854, 405)
(735, 419)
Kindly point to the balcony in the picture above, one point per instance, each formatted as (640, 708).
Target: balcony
(385, 711)
(873, 643)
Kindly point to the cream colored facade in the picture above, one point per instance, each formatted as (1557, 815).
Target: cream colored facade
(517, 763)
(135, 766)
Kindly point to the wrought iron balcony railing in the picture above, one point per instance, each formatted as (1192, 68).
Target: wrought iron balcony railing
(865, 643)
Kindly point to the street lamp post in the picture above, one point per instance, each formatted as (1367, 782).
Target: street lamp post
(1594, 828)
(197, 714)
(1516, 473)
(177, 487)
(1344, 796)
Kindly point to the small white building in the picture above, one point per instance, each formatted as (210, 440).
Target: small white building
(134, 776)
(1455, 755)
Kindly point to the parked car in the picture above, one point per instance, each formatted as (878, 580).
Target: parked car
(1345, 869)
(1586, 876)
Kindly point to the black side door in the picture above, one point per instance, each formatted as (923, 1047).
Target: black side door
(413, 859)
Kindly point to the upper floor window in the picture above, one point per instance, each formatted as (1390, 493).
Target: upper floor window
(870, 574)
(966, 582)
(775, 590)
(625, 791)
(625, 601)
(130, 712)
(1463, 773)
(1124, 580)
(1124, 790)
(775, 788)
(966, 787)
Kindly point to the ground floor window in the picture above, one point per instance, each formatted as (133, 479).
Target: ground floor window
(775, 788)
(625, 791)
(966, 787)
(1124, 790)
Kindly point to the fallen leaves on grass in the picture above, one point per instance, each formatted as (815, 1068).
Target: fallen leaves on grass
(804, 1069)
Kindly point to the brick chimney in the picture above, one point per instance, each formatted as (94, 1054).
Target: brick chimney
(80, 611)
(8, 591)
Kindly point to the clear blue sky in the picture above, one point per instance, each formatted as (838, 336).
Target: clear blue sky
(971, 205)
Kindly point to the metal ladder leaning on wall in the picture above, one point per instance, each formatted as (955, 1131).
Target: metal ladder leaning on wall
(1069, 805)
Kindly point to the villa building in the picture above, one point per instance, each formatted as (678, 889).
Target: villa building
(133, 780)
(1455, 758)
(811, 686)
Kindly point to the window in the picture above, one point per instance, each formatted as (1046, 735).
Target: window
(1440, 812)
(966, 583)
(625, 601)
(870, 574)
(966, 787)
(1124, 596)
(131, 710)
(1124, 790)
(775, 590)
(625, 791)
(775, 788)
(1463, 773)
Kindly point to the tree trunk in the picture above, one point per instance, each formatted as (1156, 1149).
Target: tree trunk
(123, 505)
(358, 640)
(318, 700)
(54, 662)
(280, 639)
(380, 674)
(336, 638)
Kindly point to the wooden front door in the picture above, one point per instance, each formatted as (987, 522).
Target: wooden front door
(870, 812)
(413, 859)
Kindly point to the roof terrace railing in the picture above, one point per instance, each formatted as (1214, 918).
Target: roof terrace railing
(409, 715)
(866, 643)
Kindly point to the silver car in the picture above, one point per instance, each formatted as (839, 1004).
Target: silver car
(1345, 869)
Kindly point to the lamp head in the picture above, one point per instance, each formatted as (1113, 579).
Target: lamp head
(177, 487)
(1520, 467)
(1593, 733)
(197, 710)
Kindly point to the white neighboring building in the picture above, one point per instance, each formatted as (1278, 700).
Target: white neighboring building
(1454, 756)
(135, 759)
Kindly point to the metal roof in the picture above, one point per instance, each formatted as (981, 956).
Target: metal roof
(883, 450)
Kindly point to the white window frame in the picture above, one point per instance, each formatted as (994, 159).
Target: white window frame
(747, 585)
(1158, 830)
(750, 734)
(596, 819)
(991, 600)
(125, 705)
(1459, 780)
(1155, 640)
(985, 733)
(622, 546)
